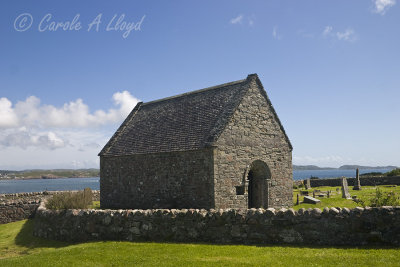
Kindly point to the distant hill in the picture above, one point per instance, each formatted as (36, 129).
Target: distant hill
(344, 167)
(49, 174)
(310, 167)
(353, 167)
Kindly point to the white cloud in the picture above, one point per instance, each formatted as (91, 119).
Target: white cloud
(381, 6)
(8, 118)
(17, 158)
(275, 33)
(75, 114)
(30, 124)
(23, 138)
(347, 35)
(126, 102)
(36, 135)
(327, 31)
(237, 20)
(90, 145)
(251, 20)
(240, 19)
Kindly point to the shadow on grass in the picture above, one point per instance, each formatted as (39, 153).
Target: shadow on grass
(26, 239)
(308, 246)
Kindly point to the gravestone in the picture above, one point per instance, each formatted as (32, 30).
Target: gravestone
(308, 184)
(304, 193)
(311, 200)
(345, 189)
(357, 183)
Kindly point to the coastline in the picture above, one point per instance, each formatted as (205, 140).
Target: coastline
(43, 178)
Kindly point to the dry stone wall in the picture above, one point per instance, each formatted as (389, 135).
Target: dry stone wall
(21, 206)
(332, 226)
(17, 210)
(37, 196)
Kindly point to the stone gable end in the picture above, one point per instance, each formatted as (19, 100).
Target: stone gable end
(253, 133)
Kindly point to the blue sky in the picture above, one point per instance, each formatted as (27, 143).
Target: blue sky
(331, 69)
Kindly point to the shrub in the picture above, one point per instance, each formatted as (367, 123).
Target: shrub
(372, 174)
(71, 200)
(395, 172)
(383, 199)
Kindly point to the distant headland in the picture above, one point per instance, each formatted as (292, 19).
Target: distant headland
(343, 167)
(48, 174)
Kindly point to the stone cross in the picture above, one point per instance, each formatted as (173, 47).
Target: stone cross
(345, 189)
(357, 183)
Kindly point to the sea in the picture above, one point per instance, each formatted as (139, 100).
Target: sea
(39, 185)
(63, 184)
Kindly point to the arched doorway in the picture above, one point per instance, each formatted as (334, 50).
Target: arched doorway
(258, 177)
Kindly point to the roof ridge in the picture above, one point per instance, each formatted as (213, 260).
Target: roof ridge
(195, 92)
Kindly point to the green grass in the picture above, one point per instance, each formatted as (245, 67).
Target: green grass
(95, 205)
(19, 248)
(16, 239)
(336, 200)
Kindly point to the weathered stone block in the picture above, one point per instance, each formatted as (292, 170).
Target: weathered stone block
(311, 200)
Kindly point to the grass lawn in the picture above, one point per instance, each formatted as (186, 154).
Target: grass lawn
(336, 199)
(19, 248)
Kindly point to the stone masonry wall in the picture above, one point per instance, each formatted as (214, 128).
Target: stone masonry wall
(21, 206)
(252, 134)
(167, 180)
(254, 226)
(17, 210)
(37, 196)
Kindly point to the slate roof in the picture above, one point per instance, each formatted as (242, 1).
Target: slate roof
(189, 121)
